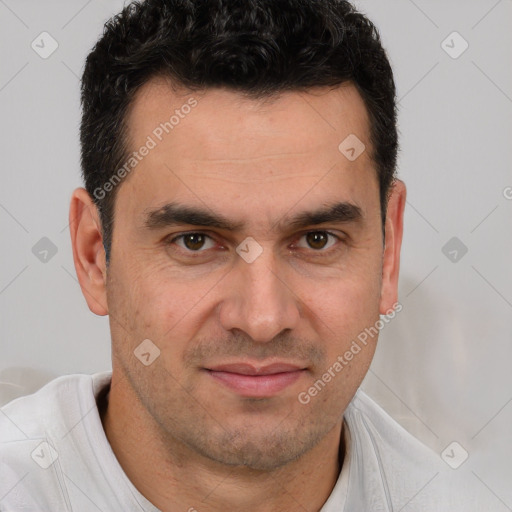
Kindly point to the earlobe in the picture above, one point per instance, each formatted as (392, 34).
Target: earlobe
(393, 244)
(88, 250)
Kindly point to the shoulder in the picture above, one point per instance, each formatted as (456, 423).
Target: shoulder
(51, 408)
(389, 462)
(32, 427)
(371, 421)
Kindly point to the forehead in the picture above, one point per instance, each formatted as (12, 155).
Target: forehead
(264, 153)
(298, 121)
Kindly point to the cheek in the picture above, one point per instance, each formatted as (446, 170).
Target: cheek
(349, 300)
(145, 308)
(168, 310)
(134, 299)
(343, 315)
(341, 312)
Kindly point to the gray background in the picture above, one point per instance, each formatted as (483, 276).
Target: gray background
(442, 367)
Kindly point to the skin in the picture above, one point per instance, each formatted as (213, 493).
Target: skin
(183, 438)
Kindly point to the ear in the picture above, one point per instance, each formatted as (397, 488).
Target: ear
(393, 244)
(88, 250)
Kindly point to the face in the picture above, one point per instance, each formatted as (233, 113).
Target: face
(248, 248)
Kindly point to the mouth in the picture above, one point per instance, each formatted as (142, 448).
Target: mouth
(251, 380)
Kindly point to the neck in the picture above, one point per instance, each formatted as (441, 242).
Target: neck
(173, 477)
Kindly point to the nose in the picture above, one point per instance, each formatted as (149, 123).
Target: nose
(259, 300)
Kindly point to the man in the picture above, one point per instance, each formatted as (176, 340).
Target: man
(241, 226)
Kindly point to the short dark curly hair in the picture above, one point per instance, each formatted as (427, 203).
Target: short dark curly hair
(256, 47)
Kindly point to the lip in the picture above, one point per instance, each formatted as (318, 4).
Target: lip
(252, 369)
(255, 381)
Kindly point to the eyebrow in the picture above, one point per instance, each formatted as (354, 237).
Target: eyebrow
(174, 214)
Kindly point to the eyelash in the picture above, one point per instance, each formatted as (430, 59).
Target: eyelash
(172, 240)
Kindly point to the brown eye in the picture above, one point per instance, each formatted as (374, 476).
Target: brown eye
(319, 240)
(194, 242)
